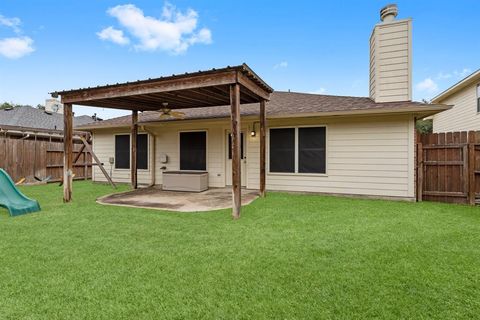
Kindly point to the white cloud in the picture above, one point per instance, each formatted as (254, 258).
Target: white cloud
(14, 48)
(462, 73)
(456, 73)
(282, 64)
(13, 23)
(114, 35)
(427, 85)
(442, 76)
(319, 91)
(172, 32)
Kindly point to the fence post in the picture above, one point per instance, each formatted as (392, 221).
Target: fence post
(471, 168)
(419, 172)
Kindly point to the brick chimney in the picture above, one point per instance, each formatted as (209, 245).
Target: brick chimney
(391, 57)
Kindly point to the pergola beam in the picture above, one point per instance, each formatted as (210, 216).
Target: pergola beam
(159, 86)
(250, 85)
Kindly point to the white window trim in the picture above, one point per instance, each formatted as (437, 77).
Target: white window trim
(206, 147)
(296, 173)
(129, 152)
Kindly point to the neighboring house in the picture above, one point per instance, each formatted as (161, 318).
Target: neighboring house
(465, 98)
(31, 144)
(25, 117)
(315, 143)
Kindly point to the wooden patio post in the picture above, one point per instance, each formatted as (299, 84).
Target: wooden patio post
(133, 160)
(67, 152)
(236, 165)
(263, 124)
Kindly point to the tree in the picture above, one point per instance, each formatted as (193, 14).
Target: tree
(6, 105)
(424, 126)
(40, 106)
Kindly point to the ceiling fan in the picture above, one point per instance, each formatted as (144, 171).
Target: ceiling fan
(167, 113)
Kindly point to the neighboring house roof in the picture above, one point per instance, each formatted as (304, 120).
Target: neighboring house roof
(472, 78)
(29, 117)
(288, 104)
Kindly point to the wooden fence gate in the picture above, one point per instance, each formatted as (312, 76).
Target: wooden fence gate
(448, 167)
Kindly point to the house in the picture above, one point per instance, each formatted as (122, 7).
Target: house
(345, 145)
(28, 118)
(465, 98)
(31, 144)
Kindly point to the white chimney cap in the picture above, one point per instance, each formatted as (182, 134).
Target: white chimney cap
(388, 13)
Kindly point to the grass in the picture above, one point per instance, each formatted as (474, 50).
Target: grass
(289, 256)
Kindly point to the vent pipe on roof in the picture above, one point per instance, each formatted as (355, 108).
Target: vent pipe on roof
(388, 13)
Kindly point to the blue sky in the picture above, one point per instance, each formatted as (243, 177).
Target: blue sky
(306, 46)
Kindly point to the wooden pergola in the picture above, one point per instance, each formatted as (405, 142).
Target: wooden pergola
(217, 87)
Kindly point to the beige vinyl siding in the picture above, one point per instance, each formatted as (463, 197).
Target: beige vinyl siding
(390, 61)
(104, 148)
(463, 116)
(168, 142)
(365, 155)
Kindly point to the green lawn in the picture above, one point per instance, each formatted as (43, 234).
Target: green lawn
(289, 256)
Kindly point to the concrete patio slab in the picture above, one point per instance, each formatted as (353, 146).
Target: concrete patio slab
(156, 198)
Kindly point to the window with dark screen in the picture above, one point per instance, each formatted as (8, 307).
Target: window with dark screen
(282, 150)
(311, 150)
(193, 150)
(142, 151)
(122, 151)
(298, 150)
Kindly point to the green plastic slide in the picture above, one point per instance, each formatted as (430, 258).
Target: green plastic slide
(12, 199)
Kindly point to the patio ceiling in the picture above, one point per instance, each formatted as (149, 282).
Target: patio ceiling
(190, 90)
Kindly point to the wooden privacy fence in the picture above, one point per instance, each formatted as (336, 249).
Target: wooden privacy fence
(38, 157)
(448, 167)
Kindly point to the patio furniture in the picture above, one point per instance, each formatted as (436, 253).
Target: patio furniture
(185, 180)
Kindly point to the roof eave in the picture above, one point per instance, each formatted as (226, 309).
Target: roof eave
(418, 111)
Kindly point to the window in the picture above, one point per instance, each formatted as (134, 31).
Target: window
(298, 150)
(242, 141)
(122, 151)
(478, 98)
(142, 151)
(193, 150)
(282, 150)
(311, 150)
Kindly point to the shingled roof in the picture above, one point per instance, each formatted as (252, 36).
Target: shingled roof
(29, 117)
(289, 104)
